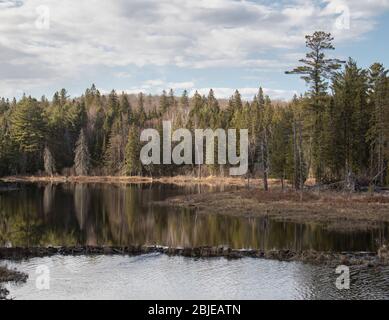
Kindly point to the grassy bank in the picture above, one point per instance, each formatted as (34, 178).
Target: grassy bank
(341, 211)
(335, 210)
(178, 180)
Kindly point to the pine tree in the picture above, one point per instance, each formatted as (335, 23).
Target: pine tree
(133, 163)
(172, 99)
(350, 98)
(378, 135)
(163, 103)
(114, 156)
(280, 143)
(63, 97)
(184, 109)
(236, 111)
(125, 108)
(141, 115)
(28, 126)
(56, 99)
(315, 70)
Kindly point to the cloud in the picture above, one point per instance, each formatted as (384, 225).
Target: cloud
(122, 75)
(246, 93)
(156, 87)
(87, 34)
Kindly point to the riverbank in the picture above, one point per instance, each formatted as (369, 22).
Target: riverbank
(369, 259)
(336, 211)
(178, 180)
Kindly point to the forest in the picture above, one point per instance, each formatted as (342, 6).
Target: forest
(337, 132)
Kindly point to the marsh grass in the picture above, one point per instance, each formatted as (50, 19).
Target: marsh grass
(333, 210)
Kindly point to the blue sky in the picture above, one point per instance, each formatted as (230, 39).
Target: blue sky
(151, 45)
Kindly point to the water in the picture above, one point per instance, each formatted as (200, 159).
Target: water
(162, 277)
(106, 214)
(102, 214)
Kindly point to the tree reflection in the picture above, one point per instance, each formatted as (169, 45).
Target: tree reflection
(120, 215)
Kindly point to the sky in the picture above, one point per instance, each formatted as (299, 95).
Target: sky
(152, 45)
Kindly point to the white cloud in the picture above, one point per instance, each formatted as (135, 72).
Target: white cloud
(246, 93)
(156, 87)
(123, 75)
(184, 33)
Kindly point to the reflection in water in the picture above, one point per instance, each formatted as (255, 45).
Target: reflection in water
(48, 198)
(109, 214)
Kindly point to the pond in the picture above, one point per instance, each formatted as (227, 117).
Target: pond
(162, 277)
(119, 215)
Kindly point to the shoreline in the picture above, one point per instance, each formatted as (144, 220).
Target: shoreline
(178, 180)
(371, 259)
(335, 211)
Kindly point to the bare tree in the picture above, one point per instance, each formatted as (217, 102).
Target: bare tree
(49, 162)
(82, 156)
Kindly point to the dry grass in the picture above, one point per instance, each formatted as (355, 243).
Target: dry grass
(178, 180)
(336, 211)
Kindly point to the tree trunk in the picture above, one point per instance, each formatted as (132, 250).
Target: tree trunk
(295, 156)
(300, 149)
(264, 161)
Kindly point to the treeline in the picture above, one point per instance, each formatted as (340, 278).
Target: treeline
(338, 132)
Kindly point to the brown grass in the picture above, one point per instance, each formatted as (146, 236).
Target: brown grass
(179, 180)
(337, 211)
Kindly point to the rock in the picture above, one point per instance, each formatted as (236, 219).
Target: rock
(235, 255)
(107, 250)
(226, 251)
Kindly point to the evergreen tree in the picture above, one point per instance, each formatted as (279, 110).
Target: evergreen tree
(114, 157)
(141, 116)
(125, 108)
(163, 103)
(63, 97)
(280, 143)
(378, 134)
(315, 70)
(350, 98)
(133, 163)
(28, 126)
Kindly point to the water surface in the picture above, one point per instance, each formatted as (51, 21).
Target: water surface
(119, 215)
(161, 277)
